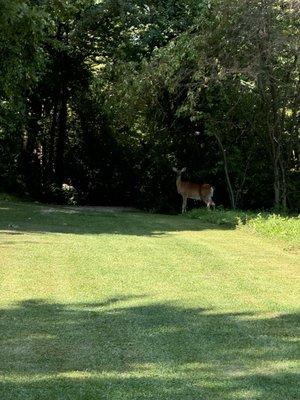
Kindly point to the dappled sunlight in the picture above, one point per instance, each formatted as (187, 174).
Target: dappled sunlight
(79, 221)
(137, 306)
(160, 347)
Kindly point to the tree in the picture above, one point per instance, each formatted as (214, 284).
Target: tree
(112, 94)
(236, 73)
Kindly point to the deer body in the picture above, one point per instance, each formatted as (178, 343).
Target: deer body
(195, 191)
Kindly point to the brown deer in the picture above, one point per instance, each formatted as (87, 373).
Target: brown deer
(195, 191)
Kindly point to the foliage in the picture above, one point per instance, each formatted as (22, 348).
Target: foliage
(21, 47)
(110, 95)
(228, 218)
(271, 225)
(277, 227)
(221, 76)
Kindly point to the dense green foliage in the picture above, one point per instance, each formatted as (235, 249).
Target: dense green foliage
(108, 95)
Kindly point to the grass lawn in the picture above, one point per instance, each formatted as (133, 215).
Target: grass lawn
(134, 306)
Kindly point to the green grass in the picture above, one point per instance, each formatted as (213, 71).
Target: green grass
(134, 306)
(270, 225)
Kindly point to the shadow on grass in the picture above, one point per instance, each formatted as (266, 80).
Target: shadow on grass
(113, 350)
(22, 218)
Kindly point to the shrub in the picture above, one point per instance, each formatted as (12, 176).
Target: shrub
(271, 225)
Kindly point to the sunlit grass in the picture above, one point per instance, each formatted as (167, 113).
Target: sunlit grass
(271, 225)
(140, 306)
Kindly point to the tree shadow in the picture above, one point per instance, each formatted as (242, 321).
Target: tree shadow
(25, 219)
(112, 349)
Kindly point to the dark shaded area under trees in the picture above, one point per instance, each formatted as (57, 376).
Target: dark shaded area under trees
(108, 95)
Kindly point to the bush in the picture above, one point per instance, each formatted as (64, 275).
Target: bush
(220, 216)
(277, 226)
(65, 194)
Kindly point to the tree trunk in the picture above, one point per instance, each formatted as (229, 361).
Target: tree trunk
(284, 186)
(61, 140)
(59, 122)
(276, 186)
(229, 186)
(31, 163)
(50, 167)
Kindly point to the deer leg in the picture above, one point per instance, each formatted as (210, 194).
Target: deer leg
(210, 203)
(184, 200)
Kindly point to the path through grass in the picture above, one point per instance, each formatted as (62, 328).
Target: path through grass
(125, 306)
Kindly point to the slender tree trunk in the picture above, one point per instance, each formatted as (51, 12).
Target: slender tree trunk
(61, 140)
(32, 149)
(276, 186)
(284, 185)
(61, 112)
(269, 95)
(229, 185)
(50, 168)
(58, 130)
(241, 186)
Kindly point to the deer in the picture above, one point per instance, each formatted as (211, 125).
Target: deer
(195, 191)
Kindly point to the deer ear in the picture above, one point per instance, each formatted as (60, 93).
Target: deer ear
(174, 169)
(183, 169)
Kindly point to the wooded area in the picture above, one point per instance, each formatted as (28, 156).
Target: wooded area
(108, 96)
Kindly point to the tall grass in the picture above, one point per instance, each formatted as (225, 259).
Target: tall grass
(270, 225)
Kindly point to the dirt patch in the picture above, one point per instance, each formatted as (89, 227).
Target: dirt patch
(83, 209)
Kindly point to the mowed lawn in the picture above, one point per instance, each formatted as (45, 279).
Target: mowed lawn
(128, 305)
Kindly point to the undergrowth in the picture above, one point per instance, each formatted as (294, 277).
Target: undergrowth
(270, 225)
